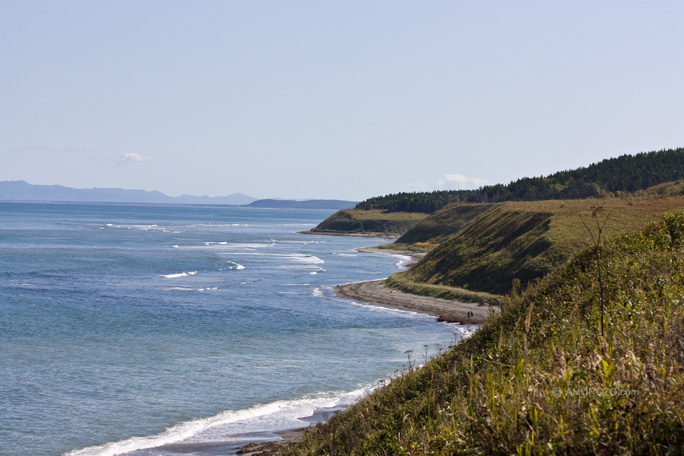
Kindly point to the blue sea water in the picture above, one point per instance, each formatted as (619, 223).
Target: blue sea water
(150, 330)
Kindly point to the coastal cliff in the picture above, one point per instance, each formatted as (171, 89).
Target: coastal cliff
(585, 353)
(522, 241)
(589, 360)
(376, 223)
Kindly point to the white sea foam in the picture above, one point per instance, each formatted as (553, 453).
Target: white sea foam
(239, 245)
(463, 331)
(392, 310)
(138, 227)
(403, 261)
(23, 284)
(219, 225)
(232, 265)
(299, 258)
(174, 276)
(299, 267)
(233, 425)
(180, 274)
(304, 258)
(192, 289)
(175, 246)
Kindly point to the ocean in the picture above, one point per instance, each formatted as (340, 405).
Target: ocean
(160, 330)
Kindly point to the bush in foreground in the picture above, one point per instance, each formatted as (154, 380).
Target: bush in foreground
(542, 377)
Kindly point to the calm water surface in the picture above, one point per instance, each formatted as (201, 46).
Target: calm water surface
(160, 330)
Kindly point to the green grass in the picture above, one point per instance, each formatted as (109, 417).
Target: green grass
(440, 291)
(418, 247)
(524, 240)
(542, 377)
(369, 221)
(443, 223)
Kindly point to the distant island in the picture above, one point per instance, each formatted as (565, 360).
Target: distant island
(305, 204)
(23, 191)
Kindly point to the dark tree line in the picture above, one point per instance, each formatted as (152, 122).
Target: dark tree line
(627, 173)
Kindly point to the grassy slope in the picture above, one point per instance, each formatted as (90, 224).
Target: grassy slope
(523, 240)
(541, 378)
(434, 229)
(370, 221)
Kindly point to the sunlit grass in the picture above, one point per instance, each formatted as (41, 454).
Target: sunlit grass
(525, 240)
(541, 378)
(369, 221)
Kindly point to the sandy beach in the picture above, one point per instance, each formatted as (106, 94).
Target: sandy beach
(376, 292)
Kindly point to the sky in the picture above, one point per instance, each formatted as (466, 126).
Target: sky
(344, 99)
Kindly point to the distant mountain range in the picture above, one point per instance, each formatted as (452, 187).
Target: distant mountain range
(23, 191)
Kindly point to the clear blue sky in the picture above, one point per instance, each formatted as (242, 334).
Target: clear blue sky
(331, 99)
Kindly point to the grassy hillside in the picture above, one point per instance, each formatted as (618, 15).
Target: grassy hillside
(369, 222)
(496, 243)
(545, 376)
(434, 229)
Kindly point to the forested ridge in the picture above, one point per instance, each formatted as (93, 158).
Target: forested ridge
(626, 173)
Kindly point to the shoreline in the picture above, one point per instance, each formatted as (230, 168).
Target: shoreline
(260, 446)
(415, 256)
(375, 292)
(271, 447)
